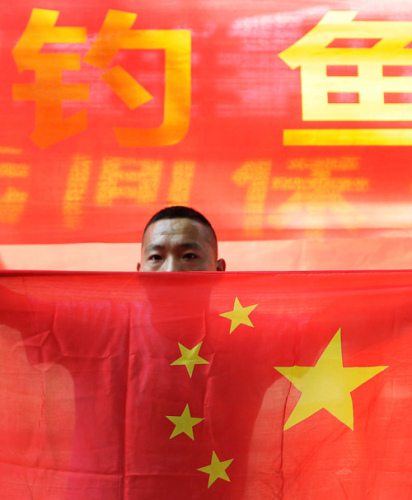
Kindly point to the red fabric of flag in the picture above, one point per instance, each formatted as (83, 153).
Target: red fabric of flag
(205, 385)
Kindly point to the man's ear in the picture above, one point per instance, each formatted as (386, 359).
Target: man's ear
(220, 265)
(138, 266)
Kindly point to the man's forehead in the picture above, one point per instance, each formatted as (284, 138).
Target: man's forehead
(180, 230)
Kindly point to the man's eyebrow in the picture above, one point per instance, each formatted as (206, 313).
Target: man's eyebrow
(153, 246)
(191, 244)
(186, 245)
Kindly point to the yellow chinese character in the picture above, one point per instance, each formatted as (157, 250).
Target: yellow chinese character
(352, 71)
(13, 201)
(116, 34)
(317, 200)
(49, 91)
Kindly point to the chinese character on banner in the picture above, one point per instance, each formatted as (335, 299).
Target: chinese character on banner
(49, 92)
(353, 72)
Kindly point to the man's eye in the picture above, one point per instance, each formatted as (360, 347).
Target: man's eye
(155, 257)
(190, 256)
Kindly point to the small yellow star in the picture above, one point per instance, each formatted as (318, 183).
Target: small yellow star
(190, 358)
(216, 470)
(239, 315)
(327, 385)
(184, 423)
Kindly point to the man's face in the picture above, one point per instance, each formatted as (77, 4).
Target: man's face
(179, 245)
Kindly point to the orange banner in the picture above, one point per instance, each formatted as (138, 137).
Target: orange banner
(276, 121)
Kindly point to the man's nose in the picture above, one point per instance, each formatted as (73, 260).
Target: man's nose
(171, 265)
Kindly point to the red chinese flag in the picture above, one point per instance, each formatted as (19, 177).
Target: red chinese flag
(205, 385)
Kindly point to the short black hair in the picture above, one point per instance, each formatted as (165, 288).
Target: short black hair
(180, 212)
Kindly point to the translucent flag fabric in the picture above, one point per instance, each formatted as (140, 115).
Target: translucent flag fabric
(205, 385)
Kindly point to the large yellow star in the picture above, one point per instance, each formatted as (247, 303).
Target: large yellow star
(190, 358)
(327, 385)
(184, 423)
(239, 315)
(216, 470)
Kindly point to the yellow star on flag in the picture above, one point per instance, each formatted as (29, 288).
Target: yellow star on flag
(327, 385)
(190, 358)
(184, 423)
(216, 470)
(239, 315)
